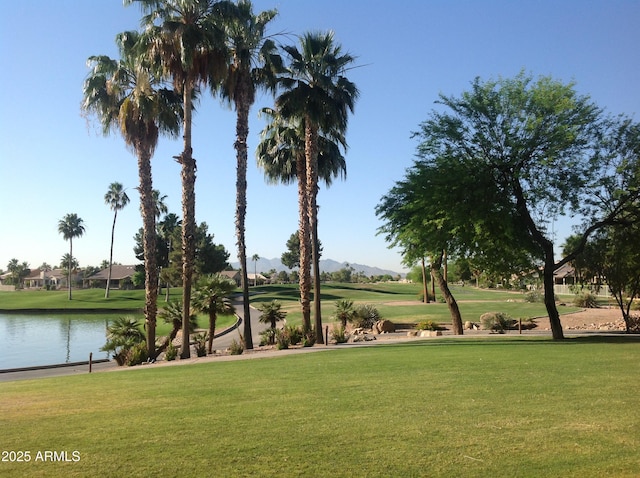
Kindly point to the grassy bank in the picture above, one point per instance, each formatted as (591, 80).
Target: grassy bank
(396, 302)
(498, 406)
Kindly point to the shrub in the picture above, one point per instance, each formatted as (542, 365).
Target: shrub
(496, 322)
(586, 300)
(366, 316)
(282, 339)
(534, 296)
(430, 298)
(339, 334)
(429, 325)
(137, 354)
(309, 339)
(633, 324)
(201, 344)
(236, 348)
(171, 352)
(268, 336)
(295, 334)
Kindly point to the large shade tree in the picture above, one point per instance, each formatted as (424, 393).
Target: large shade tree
(70, 226)
(187, 44)
(316, 92)
(127, 97)
(254, 62)
(116, 198)
(536, 150)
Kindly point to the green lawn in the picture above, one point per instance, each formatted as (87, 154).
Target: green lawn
(396, 302)
(399, 302)
(494, 407)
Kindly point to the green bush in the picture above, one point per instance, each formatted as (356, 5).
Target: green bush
(429, 325)
(295, 334)
(309, 339)
(366, 316)
(586, 300)
(171, 353)
(282, 339)
(268, 336)
(236, 348)
(496, 322)
(534, 296)
(201, 344)
(137, 354)
(430, 298)
(339, 334)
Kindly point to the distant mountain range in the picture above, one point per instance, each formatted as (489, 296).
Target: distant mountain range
(326, 265)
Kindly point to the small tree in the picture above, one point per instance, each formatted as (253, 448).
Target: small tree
(271, 314)
(344, 311)
(212, 297)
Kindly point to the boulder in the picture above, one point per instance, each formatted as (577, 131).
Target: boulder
(384, 327)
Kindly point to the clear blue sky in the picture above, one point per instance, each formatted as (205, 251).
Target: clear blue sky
(52, 162)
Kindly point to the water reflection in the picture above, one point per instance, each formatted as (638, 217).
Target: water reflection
(30, 340)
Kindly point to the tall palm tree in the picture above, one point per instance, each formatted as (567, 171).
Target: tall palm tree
(188, 43)
(159, 204)
(317, 93)
(70, 226)
(254, 60)
(255, 258)
(125, 95)
(212, 298)
(281, 154)
(116, 198)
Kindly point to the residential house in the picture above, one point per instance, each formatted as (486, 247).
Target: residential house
(121, 277)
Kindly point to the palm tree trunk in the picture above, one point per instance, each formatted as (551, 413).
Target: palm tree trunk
(149, 246)
(113, 230)
(188, 176)
(70, 263)
(242, 132)
(304, 275)
(212, 326)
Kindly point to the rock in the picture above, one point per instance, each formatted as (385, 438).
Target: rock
(468, 325)
(384, 326)
(430, 333)
(412, 333)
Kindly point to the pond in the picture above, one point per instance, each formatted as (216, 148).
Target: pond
(43, 339)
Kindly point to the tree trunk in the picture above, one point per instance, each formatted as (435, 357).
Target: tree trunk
(70, 263)
(549, 293)
(311, 156)
(436, 275)
(188, 175)
(113, 230)
(304, 272)
(242, 131)
(212, 326)
(149, 247)
(424, 284)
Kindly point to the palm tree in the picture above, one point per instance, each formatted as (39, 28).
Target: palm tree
(166, 229)
(317, 93)
(125, 95)
(212, 297)
(255, 258)
(271, 313)
(159, 204)
(189, 44)
(172, 314)
(281, 154)
(254, 61)
(116, 198)
(345, 311)
(70, 226)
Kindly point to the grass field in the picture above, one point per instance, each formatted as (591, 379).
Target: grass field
(494, 407)
(396, 302)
